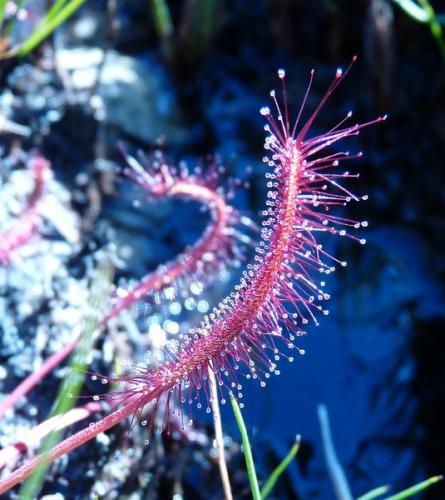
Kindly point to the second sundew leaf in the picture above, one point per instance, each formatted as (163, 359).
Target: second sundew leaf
(78, 364)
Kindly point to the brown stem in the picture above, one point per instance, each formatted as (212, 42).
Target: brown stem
(219, 438)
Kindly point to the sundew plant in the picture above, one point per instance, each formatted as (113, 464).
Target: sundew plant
(248, 333)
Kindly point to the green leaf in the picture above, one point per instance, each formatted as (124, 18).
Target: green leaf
(376, 492)
(11, 23)
(422, 11)
(435, 27)
(55, 8)
(417, 488)
(52, 20)
(413, 10)
(278, 471)
(164, 26)
(246, 450)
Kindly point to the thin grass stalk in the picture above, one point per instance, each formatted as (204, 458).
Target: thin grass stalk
(12, 22)
(47, 26)
(413, 10)
(281, 467)
(255, 489)
(164, 26)
(376, 492)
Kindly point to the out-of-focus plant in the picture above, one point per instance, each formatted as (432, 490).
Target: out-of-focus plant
(15, 14)
(423, 12)
(197, 28)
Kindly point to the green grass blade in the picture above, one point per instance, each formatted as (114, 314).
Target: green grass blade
(435, 27)
(47, 26)
(199, 26)
(2, 11)
(55, 8)
(413, 10)
(164, 26)
(417, 488)
(278, 471)
(423, 12)
(246, 450)
(72, 385)
(376, 492)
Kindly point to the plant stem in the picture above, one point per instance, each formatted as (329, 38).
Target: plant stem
(219, 438)
(246, 450)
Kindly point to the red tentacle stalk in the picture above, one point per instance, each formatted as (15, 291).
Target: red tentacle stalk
(249, 326)
(27, 223)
